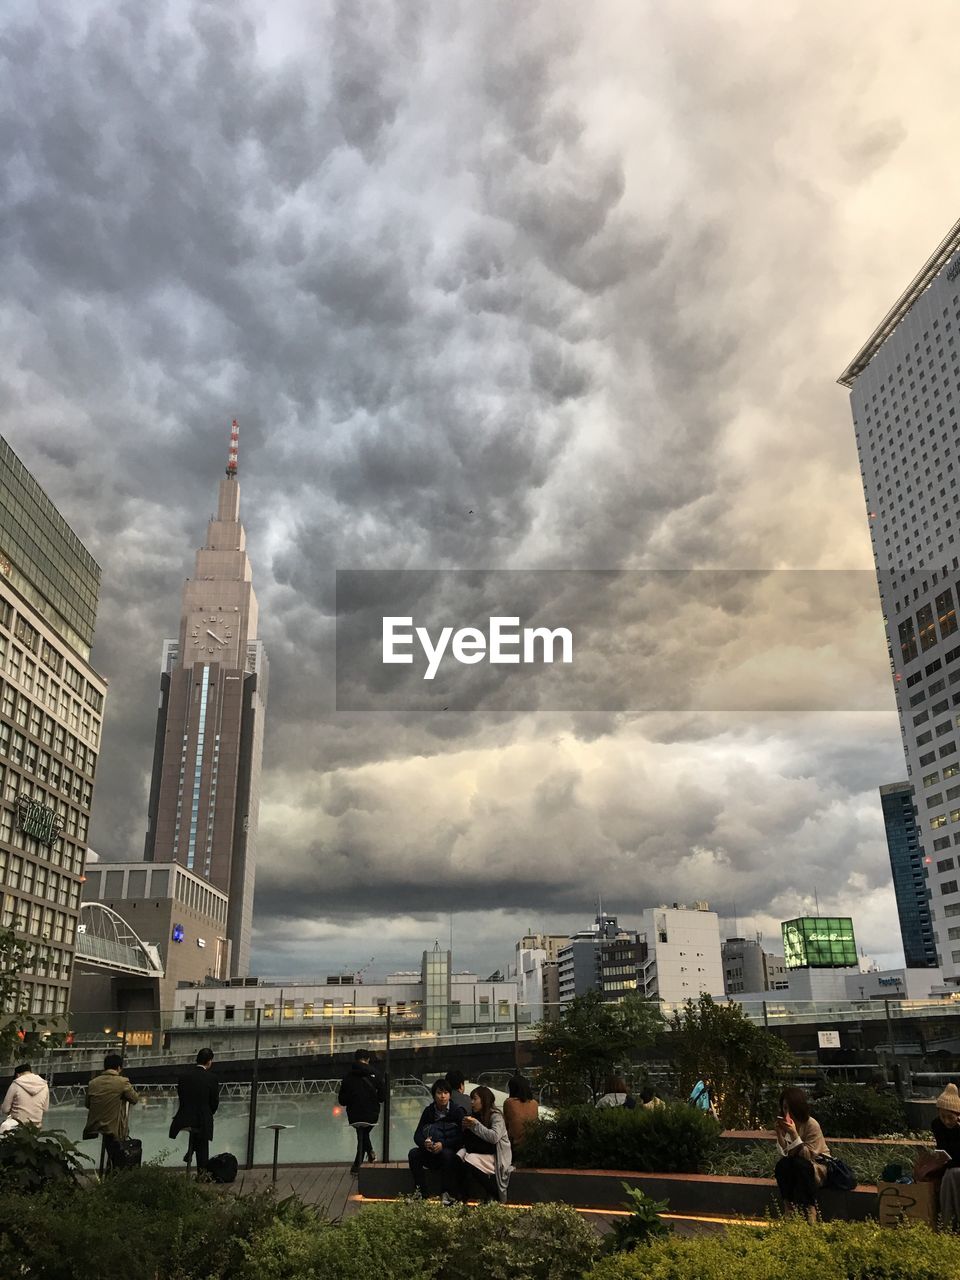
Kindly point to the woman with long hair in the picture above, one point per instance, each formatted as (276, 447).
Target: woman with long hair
(799, 1173)
(486, 1153)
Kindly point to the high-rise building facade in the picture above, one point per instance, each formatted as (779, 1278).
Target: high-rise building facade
(51, 711)
(909, 881)
(205, 791)
(904, 388)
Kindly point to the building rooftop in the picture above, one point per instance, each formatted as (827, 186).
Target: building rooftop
(921, 282)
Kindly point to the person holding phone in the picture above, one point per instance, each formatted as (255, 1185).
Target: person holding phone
(486, 1153)
(799, 1173)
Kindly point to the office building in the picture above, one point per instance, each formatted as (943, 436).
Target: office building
(536, 970)
(169, 907)
(580, 959)
(684, 960)
(909, 881)
(51, 712)
(748, 967)
(205, 790)
(904, 388)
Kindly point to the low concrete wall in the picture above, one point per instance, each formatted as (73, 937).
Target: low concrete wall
(601, 1189)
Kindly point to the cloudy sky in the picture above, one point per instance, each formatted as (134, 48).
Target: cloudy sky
(508, 285)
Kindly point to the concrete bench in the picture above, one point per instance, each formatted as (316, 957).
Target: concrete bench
(692, 1193)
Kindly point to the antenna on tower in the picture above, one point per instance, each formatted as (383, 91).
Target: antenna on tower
(234, 448)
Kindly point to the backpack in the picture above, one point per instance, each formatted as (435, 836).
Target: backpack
(223, 1168)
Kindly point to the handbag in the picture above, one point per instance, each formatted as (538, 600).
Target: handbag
(839, 1174)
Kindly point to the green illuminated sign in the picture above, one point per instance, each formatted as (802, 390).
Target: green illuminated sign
(819, 942)
(37, 820)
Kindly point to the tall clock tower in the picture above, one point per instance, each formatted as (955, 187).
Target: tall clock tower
(205, 790)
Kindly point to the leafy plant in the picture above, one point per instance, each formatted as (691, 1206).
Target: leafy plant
(853, 1250)
(590, 1038)
(673, 1138)
(20, 1030)
(739, 1062)
(418, 1240)
(32, 1160)
(644, 1223)
(858, 1111)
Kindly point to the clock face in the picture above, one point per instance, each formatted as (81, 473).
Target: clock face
(209, 633)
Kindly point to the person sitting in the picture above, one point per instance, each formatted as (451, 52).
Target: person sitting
(486, 1153)
(519, 1110)
(800, 1140)
(437, 1140)
(26, 1100)
(946, 1134)
(649, 1099)
(615, 1092)
(455, 1080)
(109, 1098)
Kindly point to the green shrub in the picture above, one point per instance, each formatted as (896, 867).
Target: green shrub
(852, 1250)
(139, 1223)
(674, 1138)
(417, 1240)
(858, 1111)
(32, 1160)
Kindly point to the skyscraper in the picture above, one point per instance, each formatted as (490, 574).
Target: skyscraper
(205, 791)
(909, 882)
(904, 392)
(51, 708)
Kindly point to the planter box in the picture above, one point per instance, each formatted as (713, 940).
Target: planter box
(691, 1193)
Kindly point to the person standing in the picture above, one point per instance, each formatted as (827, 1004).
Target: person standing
(27, 1098)
(361, 1092)
(109, 1098)
(198, 1094)
(437, 1140)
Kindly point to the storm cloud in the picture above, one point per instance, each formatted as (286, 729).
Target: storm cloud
(527, 286)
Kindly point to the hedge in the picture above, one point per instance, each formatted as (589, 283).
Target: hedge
(675, 1138)
(792, 1250)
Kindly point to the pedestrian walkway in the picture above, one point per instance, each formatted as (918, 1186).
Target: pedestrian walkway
(328, 1187)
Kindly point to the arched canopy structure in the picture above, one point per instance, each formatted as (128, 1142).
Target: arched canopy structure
(105, 941)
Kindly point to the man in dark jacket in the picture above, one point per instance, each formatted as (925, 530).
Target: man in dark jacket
(199, 1096)
(438, 1137)
(361, 1092)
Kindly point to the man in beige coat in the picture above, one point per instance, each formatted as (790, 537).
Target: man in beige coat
(109, 1096)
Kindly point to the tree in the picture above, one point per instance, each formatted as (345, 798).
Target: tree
(590, 1039)
(739, 1062)
(20, 1030)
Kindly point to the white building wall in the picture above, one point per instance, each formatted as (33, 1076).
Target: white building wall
(686, 945)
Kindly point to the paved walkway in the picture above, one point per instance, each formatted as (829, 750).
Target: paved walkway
(327, 1186)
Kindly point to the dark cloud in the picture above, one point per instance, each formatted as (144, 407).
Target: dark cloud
(508, 286)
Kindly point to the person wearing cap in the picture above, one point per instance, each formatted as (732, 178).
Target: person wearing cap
(946, 1134)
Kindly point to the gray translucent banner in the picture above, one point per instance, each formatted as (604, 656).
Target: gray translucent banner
(595, 640)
